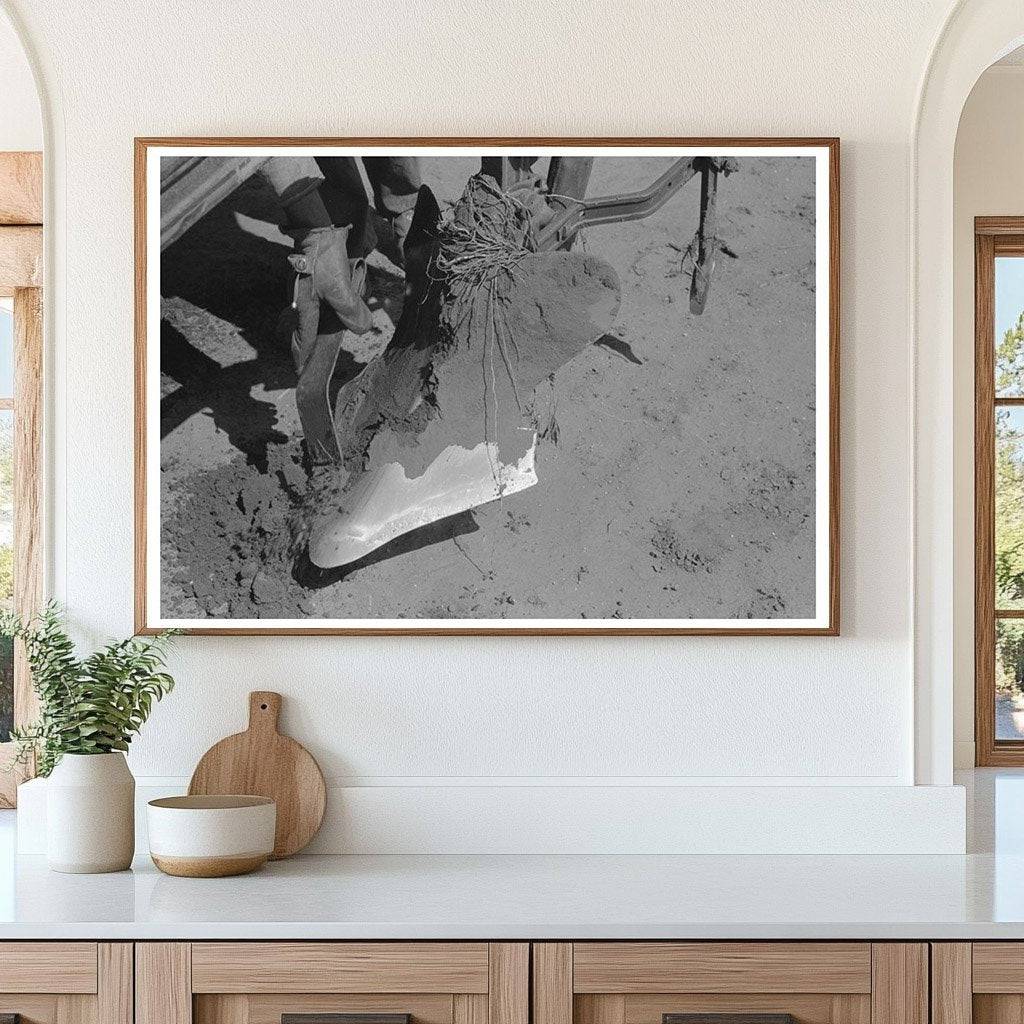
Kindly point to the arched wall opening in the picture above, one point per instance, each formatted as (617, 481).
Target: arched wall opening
(987, 182)
(976, 34)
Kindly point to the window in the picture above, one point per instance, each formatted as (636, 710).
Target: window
(20, 493)
(21, 365)
(6, 510)
(999, 490)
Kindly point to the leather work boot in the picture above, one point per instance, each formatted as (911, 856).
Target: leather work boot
(324, 274)
(443, 420)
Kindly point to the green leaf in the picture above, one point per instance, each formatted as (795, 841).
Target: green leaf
(90, 705)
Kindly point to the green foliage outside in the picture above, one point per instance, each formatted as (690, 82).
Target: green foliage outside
(6, 572)
(90, 705)
(1009, 511)
(1010, 361)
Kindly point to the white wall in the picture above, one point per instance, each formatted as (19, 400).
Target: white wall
(21, 125)
(988, 181)
(445, 712)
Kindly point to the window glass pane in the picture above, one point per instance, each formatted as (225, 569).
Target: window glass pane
(6, 348)
(1009, 326)
(1009, 679)
(1009, 534)
(6, 567)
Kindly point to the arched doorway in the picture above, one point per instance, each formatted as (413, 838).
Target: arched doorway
(976, 34)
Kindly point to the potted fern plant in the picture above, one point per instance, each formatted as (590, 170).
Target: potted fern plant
(89, 710)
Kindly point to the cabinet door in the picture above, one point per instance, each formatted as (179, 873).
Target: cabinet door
(315, 982)
(747, 982)
(980, 982)
(66, 982)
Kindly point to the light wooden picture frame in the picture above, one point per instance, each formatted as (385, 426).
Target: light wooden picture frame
(675, 471)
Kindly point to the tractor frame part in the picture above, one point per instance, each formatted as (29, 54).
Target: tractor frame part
(568, 177)
(191, 186)
(705, 241)
(579, 213)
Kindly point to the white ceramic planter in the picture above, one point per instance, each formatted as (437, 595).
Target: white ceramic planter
(90, 814)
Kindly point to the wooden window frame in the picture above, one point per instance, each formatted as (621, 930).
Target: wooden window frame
(21, 271)
(993, 236)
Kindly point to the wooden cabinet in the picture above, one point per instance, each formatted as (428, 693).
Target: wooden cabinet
(66, 982)
(815, 982)
(259, 982)
(494, 983)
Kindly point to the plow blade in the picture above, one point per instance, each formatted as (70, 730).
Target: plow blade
(443, 420)
(458, 480)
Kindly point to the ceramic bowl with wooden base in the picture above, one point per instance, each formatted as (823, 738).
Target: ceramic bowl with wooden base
(211, 836)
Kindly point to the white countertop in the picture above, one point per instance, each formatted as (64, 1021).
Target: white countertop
(977, 896)
(532, 897)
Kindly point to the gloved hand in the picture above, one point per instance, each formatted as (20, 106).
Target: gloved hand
(391, 234)
(324, 273)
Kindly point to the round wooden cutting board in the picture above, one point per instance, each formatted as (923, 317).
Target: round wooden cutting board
(262, 762)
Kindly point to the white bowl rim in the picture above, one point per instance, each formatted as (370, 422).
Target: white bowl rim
(212, 802)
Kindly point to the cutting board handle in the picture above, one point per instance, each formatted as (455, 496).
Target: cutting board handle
(264, 710)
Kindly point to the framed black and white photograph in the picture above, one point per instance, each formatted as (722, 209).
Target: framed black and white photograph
(487, 385)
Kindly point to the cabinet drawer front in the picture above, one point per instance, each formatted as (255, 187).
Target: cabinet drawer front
(998, 967)
(48, 967)
(721, 967)
(339, 967)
